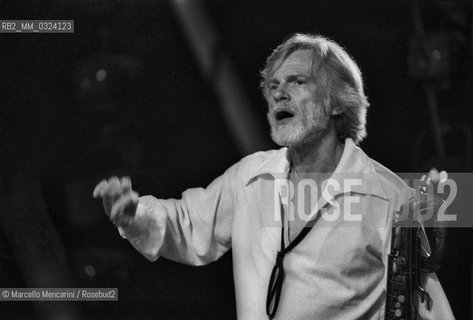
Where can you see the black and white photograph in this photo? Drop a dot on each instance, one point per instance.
(250, 160)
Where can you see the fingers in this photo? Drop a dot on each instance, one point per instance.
(433, 175)
(443, 176)
(106, 187)
(123, 210)
(112, 186)
(110, 194)
(436, 176)
(125, 183)
(111, 190)
(99, 188)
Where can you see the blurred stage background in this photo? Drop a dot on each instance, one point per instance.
(126, 94)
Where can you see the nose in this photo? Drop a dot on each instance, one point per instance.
(280, 94)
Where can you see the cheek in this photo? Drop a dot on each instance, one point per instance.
(269, 118)
(270, 105)
(309, 108)
(307, 98)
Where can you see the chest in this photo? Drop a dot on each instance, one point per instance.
(347, 230)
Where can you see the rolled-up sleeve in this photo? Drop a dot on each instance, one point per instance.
(195, 229)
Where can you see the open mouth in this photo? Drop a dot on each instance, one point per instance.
(281, 115)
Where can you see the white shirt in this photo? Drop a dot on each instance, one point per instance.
(338, 271)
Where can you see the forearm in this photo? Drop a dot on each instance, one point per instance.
(178, 231)
(195, 229)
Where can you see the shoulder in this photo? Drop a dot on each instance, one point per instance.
(261, 162)
(262, 157)
(393, 185)
(390, 178)
(354, 159)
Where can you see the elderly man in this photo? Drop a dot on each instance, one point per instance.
(288, 264)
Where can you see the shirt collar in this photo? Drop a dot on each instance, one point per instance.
(354, 164)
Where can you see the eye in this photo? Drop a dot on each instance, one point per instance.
(300, 82)
(272, 86)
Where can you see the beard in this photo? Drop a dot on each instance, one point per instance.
(303, 128)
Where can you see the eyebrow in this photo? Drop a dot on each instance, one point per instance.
(296, 76)
(290, 78)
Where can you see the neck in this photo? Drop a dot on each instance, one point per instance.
(318, 157)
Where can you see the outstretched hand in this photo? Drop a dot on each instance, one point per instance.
(119, 200)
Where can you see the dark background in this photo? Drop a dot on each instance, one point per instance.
(158, 120)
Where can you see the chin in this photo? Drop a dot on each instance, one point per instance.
(294, 138)
(286, 139)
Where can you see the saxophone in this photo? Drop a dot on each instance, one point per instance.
(412, 255)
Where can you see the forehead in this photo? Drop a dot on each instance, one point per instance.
(298, 62)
